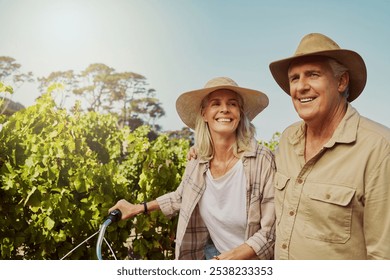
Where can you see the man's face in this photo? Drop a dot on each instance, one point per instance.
(315, 91)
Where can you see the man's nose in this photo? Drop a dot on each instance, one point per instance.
(302, 85)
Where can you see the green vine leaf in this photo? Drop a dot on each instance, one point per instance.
(49, 223)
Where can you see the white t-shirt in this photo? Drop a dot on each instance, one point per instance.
(223, 208)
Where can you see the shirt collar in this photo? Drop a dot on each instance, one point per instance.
(345, 132)
(251, 153)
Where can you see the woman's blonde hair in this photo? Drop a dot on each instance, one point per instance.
(203, 141)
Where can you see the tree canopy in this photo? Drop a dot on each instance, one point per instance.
(101, 89)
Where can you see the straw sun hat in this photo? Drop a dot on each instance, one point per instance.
(316, 44)
(188, 104)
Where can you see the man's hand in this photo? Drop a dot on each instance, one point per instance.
(192, 153)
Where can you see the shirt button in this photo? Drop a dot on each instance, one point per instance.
(327, 196)
(300, 181)
(284, 246)
(291, 213)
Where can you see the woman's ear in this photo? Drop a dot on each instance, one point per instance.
(203, 115)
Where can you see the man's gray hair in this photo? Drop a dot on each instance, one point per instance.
(338, 70)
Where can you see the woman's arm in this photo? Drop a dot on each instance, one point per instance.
(130, 210)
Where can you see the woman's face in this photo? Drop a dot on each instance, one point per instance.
(222, 112)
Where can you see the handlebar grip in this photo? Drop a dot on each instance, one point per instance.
(115, 216)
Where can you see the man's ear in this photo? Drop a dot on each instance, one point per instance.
(343, 82)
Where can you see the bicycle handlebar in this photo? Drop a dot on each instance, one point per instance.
(114, 217)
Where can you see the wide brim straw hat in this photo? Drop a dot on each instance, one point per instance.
(188, 104)
(316, 44)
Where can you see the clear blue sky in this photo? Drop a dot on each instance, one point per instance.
(180, 44)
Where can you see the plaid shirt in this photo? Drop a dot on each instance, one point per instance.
(192, 233)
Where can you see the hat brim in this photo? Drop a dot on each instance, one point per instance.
(350, 59)
(188, 104)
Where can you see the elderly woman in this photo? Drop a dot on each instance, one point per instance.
(226, 197)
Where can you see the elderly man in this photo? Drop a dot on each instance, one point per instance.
(332, 195)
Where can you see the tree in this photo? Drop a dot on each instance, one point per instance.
(124, 94)
(147, 108)
(11, 74)
(95, 87)
(184, 133)
(68, 80)
(7, 102)
(126, 87)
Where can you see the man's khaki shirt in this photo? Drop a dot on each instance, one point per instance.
(336, 205)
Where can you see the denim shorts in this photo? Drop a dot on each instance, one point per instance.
(210, 251)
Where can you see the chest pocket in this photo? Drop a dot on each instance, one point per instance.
(280, 184)
(327, 212)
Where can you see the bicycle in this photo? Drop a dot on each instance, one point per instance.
(113, 217)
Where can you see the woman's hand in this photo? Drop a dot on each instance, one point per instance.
(242, 252)
(128, 210)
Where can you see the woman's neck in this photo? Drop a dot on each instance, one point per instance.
(223, 148)
(224, 157)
